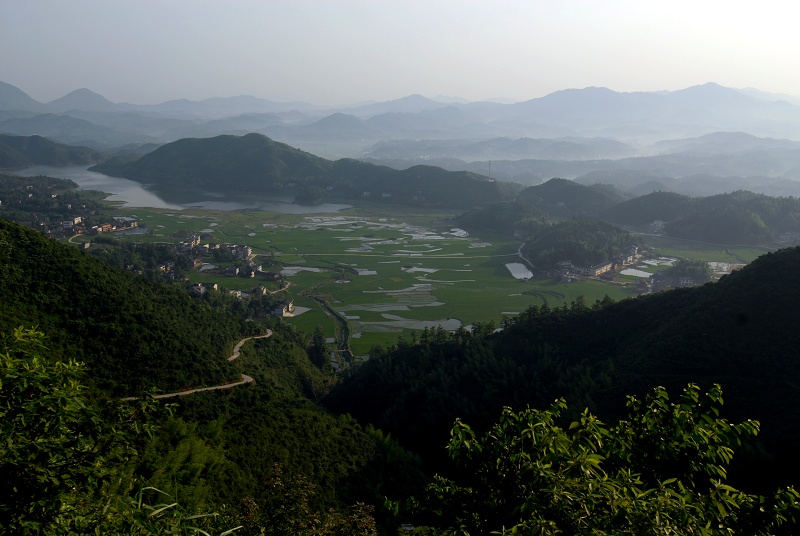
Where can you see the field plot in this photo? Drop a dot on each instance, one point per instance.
(686, 249)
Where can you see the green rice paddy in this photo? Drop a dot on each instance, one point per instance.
(393, 273)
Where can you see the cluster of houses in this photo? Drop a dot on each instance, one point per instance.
(76, 225)
(630, 256)
(120, 225)
(56, 228)
(192, 244)
(247, 267)
(283, 308)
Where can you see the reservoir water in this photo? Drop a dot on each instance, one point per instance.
(134, 194)
(519, 270)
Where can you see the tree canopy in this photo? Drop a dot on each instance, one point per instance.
(662, 470)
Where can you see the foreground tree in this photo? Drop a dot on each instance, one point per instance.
(66, 461)
(660, 471)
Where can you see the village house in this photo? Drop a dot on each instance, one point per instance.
(104, 228)
(283, 308)
(594, 271)
(197, 290)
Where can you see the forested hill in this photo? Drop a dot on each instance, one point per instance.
(132, 333)
(563, 198)
(735, 218)
(582, 241)
(25, 151)
(742, 332)
(255, 164)
(739, 217)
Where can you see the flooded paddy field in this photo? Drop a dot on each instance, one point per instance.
(391, 274)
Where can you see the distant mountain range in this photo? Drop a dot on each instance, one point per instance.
(588, 112)
(696, 141)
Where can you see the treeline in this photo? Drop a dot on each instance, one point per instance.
(521, 217)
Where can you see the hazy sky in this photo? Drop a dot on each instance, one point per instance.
(333, 52)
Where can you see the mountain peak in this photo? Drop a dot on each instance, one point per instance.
(712, 93)
(82, 99)
(13, 98)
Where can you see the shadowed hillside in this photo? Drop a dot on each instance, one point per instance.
(24, 151)
(132, 333)
(741, 332)
(255, 164)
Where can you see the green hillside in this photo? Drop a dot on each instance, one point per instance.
(583, 241)
(740, 332)
(665, 206)
(255, 164)
(251, 163)
(511, 216)
(25, 151)
(562, 198)
(739, 217)
(260, 456)
(133, 334)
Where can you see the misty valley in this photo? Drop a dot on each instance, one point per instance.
(569, 315)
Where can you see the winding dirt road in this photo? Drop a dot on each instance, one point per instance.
(245, 377)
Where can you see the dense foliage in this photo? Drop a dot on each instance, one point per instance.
(583, 241)
(263, 458)
(517, 217)
(62, 457)
(697, 271)
(661, 470)
(134, 334)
